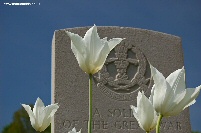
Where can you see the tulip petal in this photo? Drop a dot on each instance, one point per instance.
(177, 80)
(162, 89)
(79, 49)
(152, 94)
(167, 100)
(37, 110)
(173, 77)
(97, 50)
(78, 42)
(191, 95)
(134, 110)
(80, 58)
(99, 62)
(48, 112)
(145, 112)
(171, 106)
(31, 116)
(189, 99)
(93, 42)
(74, 131)
(113, 42)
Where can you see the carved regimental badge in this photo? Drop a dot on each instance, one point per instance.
(125, 72)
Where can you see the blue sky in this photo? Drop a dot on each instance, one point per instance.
(26, 34)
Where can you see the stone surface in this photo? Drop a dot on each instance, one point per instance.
(115, 88)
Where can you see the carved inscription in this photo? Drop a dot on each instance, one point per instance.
(125, 71)
(123, 120)
(171, 125)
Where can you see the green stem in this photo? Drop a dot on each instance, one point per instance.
(90, 104)
(147, 132)
(159, 123)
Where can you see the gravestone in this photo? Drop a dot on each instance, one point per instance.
(115, 87)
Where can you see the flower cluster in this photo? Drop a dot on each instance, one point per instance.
(168, 98)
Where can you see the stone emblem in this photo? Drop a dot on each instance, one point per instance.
(131, 73)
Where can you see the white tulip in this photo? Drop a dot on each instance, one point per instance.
(74, 131)
(169, 96)
(41, 116)
(91, 51)
(145, 113)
